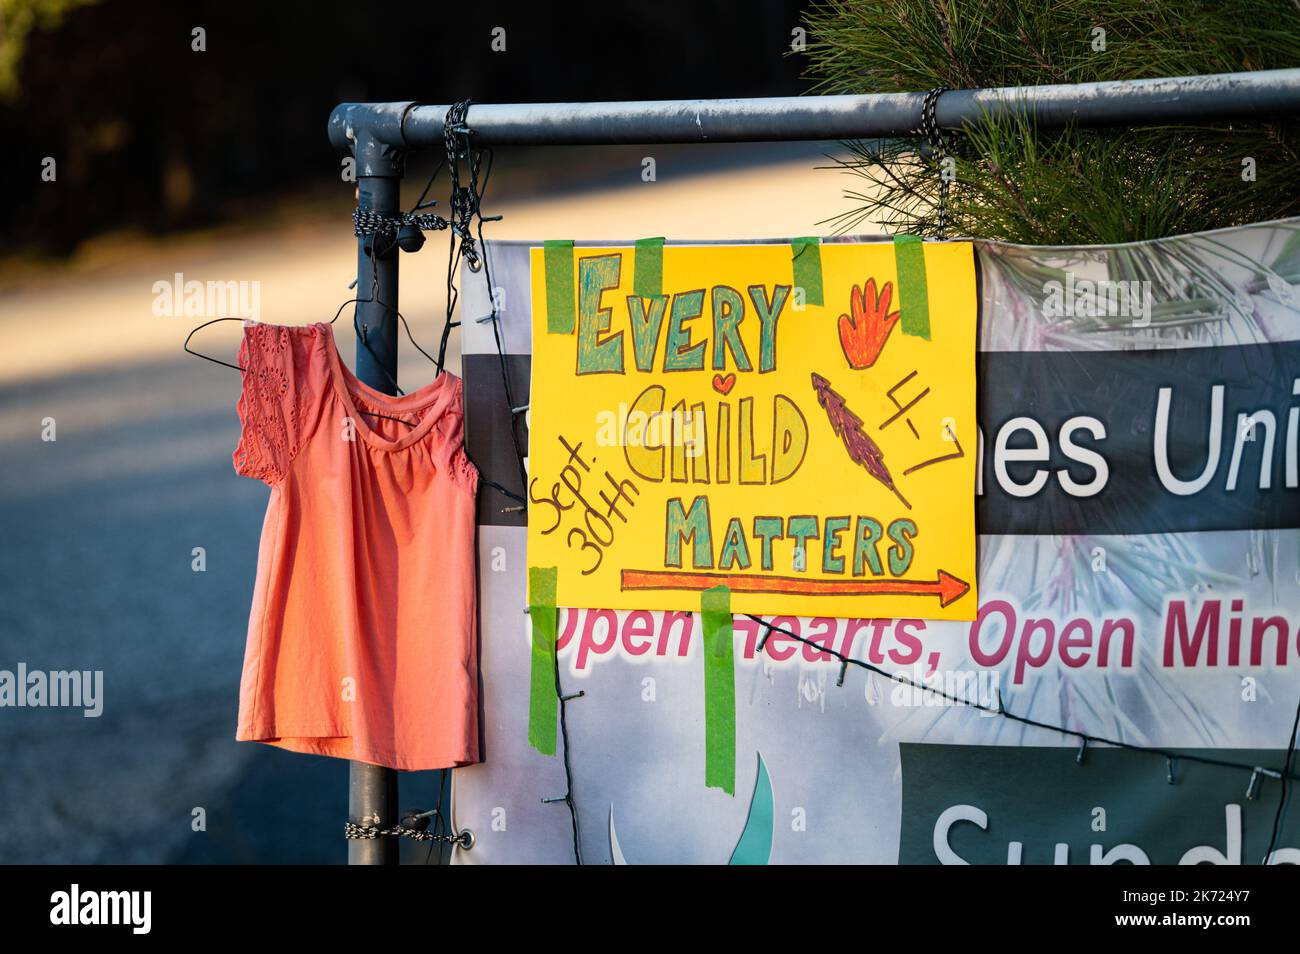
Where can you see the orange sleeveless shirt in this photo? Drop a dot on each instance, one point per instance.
(362, 640)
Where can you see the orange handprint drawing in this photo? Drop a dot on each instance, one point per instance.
(863, 336)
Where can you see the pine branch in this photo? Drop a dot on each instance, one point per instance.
(1071, 186)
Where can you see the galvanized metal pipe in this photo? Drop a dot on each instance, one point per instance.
(1188, 99)
(372, 789)
(377, 288)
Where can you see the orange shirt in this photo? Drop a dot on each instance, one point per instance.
(362, 640)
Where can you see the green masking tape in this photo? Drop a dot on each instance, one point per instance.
(719, 690)
(543, 701)
(648, 268)
(558, 255)
(913, 293)
(807, 255)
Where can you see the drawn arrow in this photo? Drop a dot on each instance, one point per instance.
(945, 586)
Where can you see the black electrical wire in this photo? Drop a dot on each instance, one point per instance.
(466, 211)
(1001, 710)
(1286, 788)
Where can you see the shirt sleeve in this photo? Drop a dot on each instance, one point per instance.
(275, 390)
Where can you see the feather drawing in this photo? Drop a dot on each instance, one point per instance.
(848, 427)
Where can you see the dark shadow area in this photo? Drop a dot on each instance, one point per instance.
(149, 132)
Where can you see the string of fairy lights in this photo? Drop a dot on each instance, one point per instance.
(466, 209)
(1171, 757)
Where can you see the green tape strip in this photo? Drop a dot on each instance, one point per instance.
(648, 268)
(913, 292)
(559, 286)
(543, 698)
(719, 690)
(807, 255)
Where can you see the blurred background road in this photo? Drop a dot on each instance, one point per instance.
(99, 525)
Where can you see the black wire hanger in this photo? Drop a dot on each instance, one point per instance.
(466, 212)
(360, 332)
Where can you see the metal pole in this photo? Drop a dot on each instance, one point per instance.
(1178, 99)
(377, 289)
(372, 790)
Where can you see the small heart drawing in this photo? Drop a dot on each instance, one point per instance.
(863, 336)
(724, 385)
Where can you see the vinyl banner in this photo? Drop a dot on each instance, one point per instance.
(793, 422)
(1133, 464)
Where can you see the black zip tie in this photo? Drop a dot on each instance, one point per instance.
(844, 667)
(576, 695)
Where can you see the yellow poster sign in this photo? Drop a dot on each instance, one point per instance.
(795, 422)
